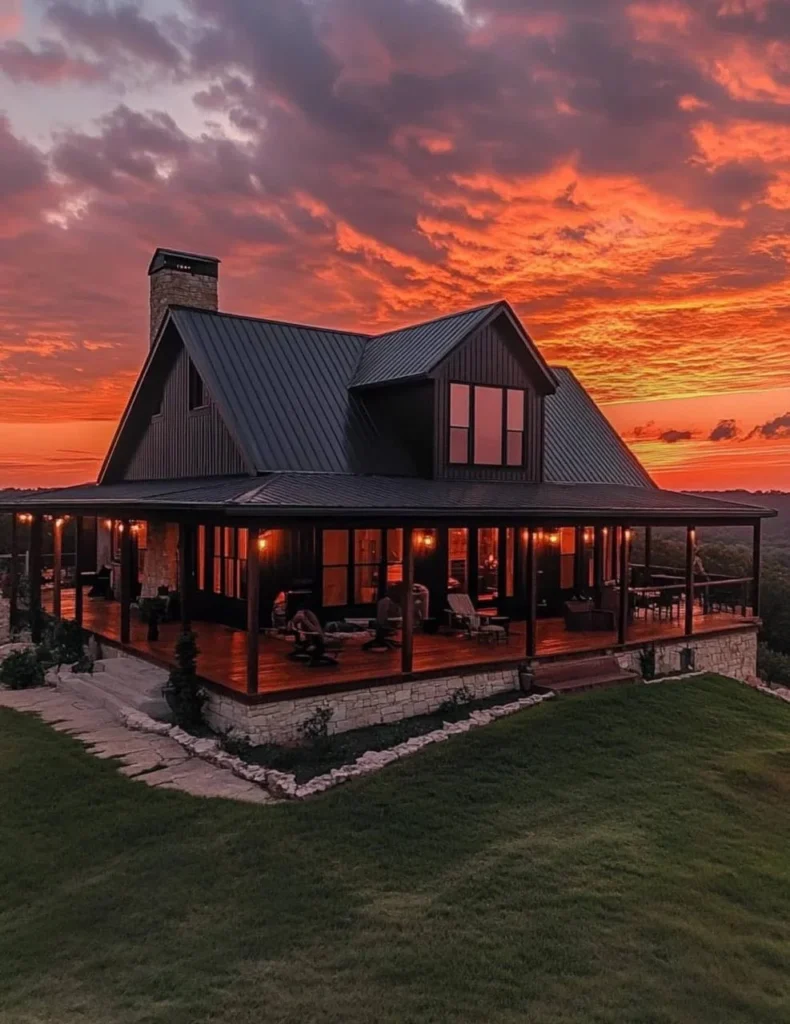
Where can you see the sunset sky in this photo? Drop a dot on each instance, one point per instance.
(620, 171)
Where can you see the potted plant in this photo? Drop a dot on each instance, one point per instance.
(152, 612)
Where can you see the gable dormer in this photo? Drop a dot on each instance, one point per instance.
(467, 392)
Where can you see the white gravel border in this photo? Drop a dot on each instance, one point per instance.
(284, 784)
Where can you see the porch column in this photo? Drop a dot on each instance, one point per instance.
(407, 648)
(598, 559)
(79, 545)
(501, 557)
(126, 580)
(648, 554)
(13, 583)
(579, 582)
(756, 559)
(531, 581)
(690, 534)
(57, 565)
(36, 531)
(253, 607)
(186, 574)
(622, 626)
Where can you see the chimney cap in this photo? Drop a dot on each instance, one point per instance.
(188, 262)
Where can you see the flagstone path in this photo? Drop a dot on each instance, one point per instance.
(155, 760)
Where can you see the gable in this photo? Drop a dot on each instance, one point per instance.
(494, 354)
(160, 438)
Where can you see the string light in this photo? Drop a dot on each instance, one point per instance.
(262, 543)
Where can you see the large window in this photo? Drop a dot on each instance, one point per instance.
(488, 564)
(567, 557)
(459, 422)
(458, 562)
(335, 574)
(230, 562)
(367, 565)
(486, 425)
(394, 556)
(197, 390)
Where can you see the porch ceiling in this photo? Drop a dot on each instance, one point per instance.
(280, 496)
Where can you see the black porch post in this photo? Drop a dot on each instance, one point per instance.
(36, 530)
(501, 557)
(579, 581)
(689, 580)
(531, 581)
(598, 559)
(756, 558)
(648, 554)
(126, 580)
(186, 573)
(473, 563)
(13, 583)
(407, 648)
(57, 565)
(622, 626)
(79, 544)
(253, 607)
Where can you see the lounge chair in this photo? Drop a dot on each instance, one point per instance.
(311, 643)
(475, 624)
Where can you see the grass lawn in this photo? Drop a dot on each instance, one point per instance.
(618, 856)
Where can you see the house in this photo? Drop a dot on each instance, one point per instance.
(261, 467)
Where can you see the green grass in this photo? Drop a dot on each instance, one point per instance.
(307, 760)
(619, 856)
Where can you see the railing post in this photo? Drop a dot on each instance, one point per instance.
(253, 607)
(756, 559)
(34, 561)
(622, 626)
(407, 647)
(13, 583)
(532, 595)
(690, 537)
(79, 544)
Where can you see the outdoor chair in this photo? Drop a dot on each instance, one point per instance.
(578, 616)
(387, 613)
(476, 625)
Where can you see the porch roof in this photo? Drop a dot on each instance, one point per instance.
(324, 496)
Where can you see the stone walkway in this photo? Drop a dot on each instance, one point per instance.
(155, 760)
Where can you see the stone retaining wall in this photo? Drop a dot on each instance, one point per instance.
(732, 654)
(279, 721)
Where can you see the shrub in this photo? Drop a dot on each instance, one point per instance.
(315, 728)
(236, 743)
(21, 670)
(772, 666)
(183, 692)
(65, 640)
(458, 699)
(647, 661)
(84, 664)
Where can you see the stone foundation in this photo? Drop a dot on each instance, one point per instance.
(732, 654)
(278, 721)
(5, 620)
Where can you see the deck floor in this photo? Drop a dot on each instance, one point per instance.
(223, 657)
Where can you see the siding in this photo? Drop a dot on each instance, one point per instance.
(491, 356)
(180, 443)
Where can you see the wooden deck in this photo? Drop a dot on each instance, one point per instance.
(223, 657)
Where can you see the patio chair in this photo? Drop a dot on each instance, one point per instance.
(387, 612)
(578, 616)
(475, 624)
(311, 643)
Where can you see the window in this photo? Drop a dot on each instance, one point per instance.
(488, 426)
(458, 576)
(367, 564)
(488, 564)
(515, 428)
(394, 556)
(230, 562)
(459, 423)
(510, 562)
(567, 557)
(201, 557)
(159, 404)
(197, 390)
(335, 575)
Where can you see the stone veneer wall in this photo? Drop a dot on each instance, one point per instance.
(732, 654)
(5, 620)
(179, 288)
(278, 721)
(160, 561)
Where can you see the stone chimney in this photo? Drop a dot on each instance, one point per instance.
(181, 279)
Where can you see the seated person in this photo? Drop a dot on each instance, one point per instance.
(386, 612)
(310, 642)
(279, 611)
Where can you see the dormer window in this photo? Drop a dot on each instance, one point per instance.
(486, 426)
(197, 390)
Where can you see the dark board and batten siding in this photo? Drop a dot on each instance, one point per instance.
(488, 358)
(183, 443)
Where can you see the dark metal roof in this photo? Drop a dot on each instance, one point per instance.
(416, 350)
(324, 495)
(581, 445)
(282, 390)
(164, 259)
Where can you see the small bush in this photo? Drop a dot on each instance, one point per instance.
(84, 664)
(315, 728)
(184, 694)
(772, 666)
(22, 670)
(647, 662)
(236, 743)
(458, 699)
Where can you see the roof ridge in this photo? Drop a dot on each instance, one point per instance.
(270, 320)
(436, 319)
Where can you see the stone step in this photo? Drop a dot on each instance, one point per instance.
(134, 670)
(113, 691)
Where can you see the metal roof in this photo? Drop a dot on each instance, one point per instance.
(581, 445)
(282, 390)
(326, 495)
(416, 350)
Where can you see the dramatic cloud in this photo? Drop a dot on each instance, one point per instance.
(619, 170)
(776, 429)
(725, 430)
